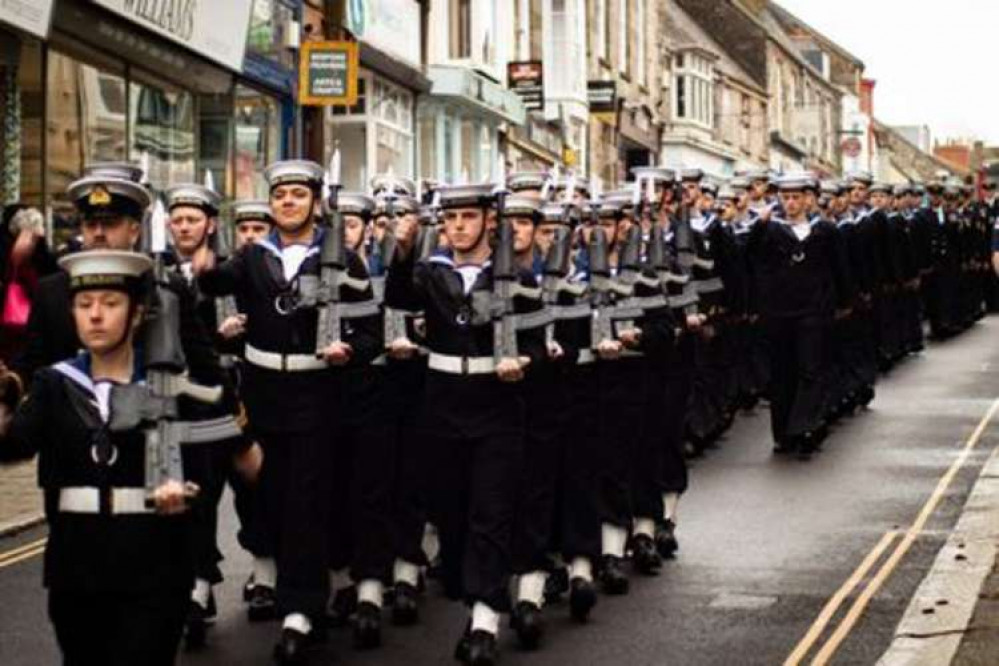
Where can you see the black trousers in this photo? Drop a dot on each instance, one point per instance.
(798, 389)
(708, 393)
(361, 529)
(207, 465)
(672, 412)
(294, 490)
(541, 477)
(622, 409)
(118, 628)
(473, 486)
(578, 517)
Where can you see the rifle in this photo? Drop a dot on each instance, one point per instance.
(603, 288)
(556, 269)
(333, 267)
(153, 405)
(506, 287)
(394, 320)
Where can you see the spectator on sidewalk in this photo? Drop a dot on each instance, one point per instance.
(24, 259)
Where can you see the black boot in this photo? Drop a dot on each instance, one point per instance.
(405, 611)
(612, 577)
(262, 604)
(248, 587)
(367, 626)
(582, 599)
(293, 646)
(343, 606)
(526, 620)
(556, 585)
(196, 626)
(481, 648)
(464, 646)
(644, 555)
(666, 542)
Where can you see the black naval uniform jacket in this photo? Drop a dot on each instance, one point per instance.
(289, 401)
(96, 552)
(799, 278)
(459, 324)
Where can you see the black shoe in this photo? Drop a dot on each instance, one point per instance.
(666, 542)
(262, 605)
(556, 585)
(866, 396)
(582, 599)
(481, 648)
(367, 626)
(644, 556)
(462, 651)
(612, 577)
(785, 446)
(526, 620)
(405, 611)
(293, 646)
(196, 626)
(343, 606)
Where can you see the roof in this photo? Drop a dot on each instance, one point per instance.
(789, 20)
(897, 136)
(682, 32)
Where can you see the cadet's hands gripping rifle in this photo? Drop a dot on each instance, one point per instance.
(429, 234)
(394, 320)
(603, 288)
(556, 269)
(506, 286)
(333, 267)
(153, 405)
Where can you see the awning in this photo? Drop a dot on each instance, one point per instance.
(474, 91)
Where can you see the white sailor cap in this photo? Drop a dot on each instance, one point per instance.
(755, 174)
(658, 174)
(727, 193)
(710, 187)
(902, 189)
(304, 172)
(403, 205)
(616, 203)
(523, 205)
(691, 175)
(467, 196)
(739, 184)
(122, 170)
(880, 186)
(94, 194)
(557, 213)
(192, 194)
(864, 177)
(795, 182)
(354, 203)
(526, 180)
(833, 187)
(580, 185)
(255, 211)
(383, 183)
(105, 269)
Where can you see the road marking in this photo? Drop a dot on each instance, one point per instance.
(819, 625)
(15, 555)
(856, 610)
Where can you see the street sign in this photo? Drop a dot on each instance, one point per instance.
(526, 79)
(852, 146)
(328, 74)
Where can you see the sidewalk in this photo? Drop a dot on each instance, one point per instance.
(953, 618)
(20, 498)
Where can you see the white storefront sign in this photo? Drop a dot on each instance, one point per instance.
(392, 26)
(32, 16)
(214, 28)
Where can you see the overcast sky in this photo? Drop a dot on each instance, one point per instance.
(933, 66)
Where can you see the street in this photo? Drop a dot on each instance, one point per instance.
(765, 544)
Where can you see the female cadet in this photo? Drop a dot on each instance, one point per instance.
(119, 573)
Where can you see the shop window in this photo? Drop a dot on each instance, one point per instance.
(695, 89)
(86, 122)
(269, 22)
(258, 140)
(460, 29)
(161, 130)
(449, 171)
(351, 139)
(358, 109)
(428, 147)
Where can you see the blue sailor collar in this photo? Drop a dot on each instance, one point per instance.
(79, 370)
(272, 242)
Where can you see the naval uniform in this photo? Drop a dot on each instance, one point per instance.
(295, 405)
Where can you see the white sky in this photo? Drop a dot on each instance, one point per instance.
(933, 62)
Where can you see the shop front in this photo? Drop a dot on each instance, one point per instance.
(108, 82)
(461, 124)
(638, 138)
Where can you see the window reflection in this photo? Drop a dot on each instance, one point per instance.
(162, 133)
(258, 123)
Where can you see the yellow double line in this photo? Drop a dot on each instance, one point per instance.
(856, 610)
(21, 553)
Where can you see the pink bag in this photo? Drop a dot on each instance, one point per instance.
(16, 306)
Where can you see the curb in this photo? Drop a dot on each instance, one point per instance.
(934, 624)
(17, 525)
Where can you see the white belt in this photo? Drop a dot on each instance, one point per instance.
(462, 365)
(87, 499)
(586, 356)
(284, 362)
